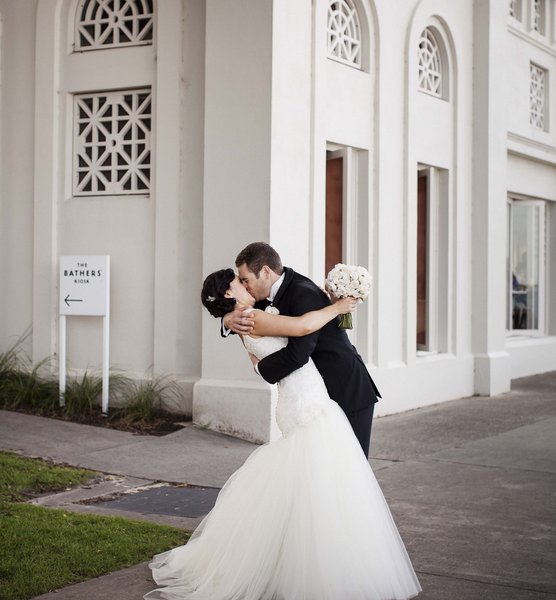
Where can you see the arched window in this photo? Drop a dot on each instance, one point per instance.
(113, 23)
(344, 32)
(430, 64)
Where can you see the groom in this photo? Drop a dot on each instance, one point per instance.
(347, 380)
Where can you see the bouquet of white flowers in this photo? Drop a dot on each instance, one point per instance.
(348, 280)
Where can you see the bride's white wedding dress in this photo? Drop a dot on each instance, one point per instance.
(302, 519)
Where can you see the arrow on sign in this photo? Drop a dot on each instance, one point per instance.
(67, 300)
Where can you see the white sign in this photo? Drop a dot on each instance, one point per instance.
(85, 285)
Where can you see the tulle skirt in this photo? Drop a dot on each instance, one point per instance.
(302, 519)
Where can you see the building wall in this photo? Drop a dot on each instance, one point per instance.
(17, 158)
(246, 108)
(154, 239)
(531, 156)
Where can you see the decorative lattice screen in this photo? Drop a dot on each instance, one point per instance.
(537, 90)
(515, 9)
(539, 16)
(344, 32)
(430, 64)
(113, 23)
(112, 143)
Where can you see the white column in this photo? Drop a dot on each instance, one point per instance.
(290, 166)
(492, 364)
(177, 192)
(256, 181)
(238, 59)
(166, 193)
(17, 86)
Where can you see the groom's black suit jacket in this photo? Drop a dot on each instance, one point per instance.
(344, 373)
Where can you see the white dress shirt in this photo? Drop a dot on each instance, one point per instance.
(275, 287)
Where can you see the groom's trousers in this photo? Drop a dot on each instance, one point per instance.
(361, 422)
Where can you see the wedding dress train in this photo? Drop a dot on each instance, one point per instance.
(302, 519)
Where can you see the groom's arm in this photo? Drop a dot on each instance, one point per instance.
(276, 366)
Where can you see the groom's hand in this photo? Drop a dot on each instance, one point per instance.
(238, 322)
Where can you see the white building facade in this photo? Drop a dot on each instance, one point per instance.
(416, 138)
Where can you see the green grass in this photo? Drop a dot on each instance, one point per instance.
(21, 477)
(45, 549)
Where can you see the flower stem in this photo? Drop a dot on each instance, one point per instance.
(346, 321)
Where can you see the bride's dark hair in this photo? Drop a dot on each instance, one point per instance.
(212, 295)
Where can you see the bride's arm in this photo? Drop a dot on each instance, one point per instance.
(281, 325)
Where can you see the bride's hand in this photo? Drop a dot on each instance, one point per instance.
(240, 320)
(345, 305)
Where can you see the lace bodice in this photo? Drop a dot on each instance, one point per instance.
(302, 395)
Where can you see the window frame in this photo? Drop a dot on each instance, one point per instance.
(431, 275)
(438, 298)
(540, 331)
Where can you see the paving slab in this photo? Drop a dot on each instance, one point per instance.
(470, 522)
(193, 502)
(134, 582)
(531, 447)
(421, 432)
(471, 484)
(56, 439)
(106, 485)
(86, 499)
(189, 455)
(194, 456)
(440, 587)
(127, 584)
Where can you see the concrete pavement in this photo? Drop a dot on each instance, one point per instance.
(471, 484)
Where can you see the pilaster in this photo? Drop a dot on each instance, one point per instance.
(256, 181)
(492, 362)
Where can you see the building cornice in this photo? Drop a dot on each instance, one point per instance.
(545, 46)
(531, 149)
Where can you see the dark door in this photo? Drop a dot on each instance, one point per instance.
(422, 263)
(334, 212)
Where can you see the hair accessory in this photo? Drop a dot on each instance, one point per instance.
(211, 298)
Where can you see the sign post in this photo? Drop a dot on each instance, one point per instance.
(85, 290)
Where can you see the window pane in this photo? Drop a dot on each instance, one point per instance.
(525, 266)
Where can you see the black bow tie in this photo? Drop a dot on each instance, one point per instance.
(262, 304)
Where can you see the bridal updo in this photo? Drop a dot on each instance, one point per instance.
(212, 295)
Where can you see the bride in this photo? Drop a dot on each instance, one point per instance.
(304, 517)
